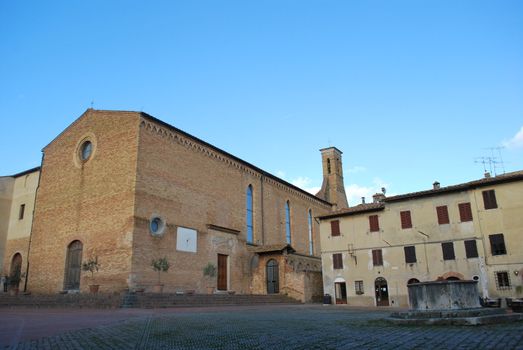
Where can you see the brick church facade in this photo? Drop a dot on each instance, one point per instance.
(126, 188)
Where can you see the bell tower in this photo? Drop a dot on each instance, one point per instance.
(333, 189)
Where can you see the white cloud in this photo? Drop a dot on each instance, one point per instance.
(305, 184)
(356, 169)
(280, 174)
(516, 141)
(355, 192)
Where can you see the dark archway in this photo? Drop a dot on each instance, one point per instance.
(273, 277)
(413, 280)
(452, 278)
(73, 266)
(382, 292)
(15, 272)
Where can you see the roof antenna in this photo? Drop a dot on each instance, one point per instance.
(92, 103)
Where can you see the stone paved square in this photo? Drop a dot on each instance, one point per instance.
(246, 327)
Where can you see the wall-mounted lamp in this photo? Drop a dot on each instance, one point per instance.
(516, 272)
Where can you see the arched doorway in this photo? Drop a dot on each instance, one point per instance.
(73, 265)
(382, 292)
(15, 272)
(273, 277)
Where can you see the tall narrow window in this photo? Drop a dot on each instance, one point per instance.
(337, 261)
(335, 228)
(21, 212)
(489, 199)
(471, 249)
(288, 222)
(311, 242)
(410, 254)
(250, 216)
(465, 212)
(406, 220)
(448, 251)
(377, 257)
(497, 244)
(374, 223)
(443, 215)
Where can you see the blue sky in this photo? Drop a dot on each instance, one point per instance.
(410, 91)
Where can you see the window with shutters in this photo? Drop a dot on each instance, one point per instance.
(358, 287)
(502, 279)
(410, 254)
(443, 215)
(465, 212)
(471, 249)
(374, 223)
(497, 244)
(448, 251)
(377, 257)
(406, 220)
(335, 228)
(489, 199)
(337, 261)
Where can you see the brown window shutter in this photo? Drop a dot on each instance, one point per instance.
(471, 249)
(410, 254)
(377, 257)
(443, 215)
(374, 223)
(489, 199)
(465, 212)
(335, 228)
(337, 261)
(448, 251)
(406, 220)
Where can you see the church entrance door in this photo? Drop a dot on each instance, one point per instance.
(273, 280)
(73, 265)
(222, 272)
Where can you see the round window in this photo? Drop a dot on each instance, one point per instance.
(156, 226)
(85, 150)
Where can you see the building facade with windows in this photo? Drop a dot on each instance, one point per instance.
(127, 188)
(17, 198)
(472, 231)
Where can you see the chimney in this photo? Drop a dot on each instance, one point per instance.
(362, 200)
(436, 185)
(378, 197)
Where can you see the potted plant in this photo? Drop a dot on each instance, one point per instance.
(160, 265)
(209, 271)
(92, 266)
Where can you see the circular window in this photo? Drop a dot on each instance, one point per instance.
(86, 150)
(156, 226)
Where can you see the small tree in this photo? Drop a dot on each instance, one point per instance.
(91, 265)
(209, 270)
(160, 265)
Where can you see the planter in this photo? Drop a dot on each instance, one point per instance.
(93, 288)
(210, 290)
(158, 288)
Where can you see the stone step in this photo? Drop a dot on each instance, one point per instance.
(137, 300)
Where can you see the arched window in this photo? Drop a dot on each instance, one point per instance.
(288, 222)
(250, 216)
(311, 243)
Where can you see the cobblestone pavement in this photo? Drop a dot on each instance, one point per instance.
(283, 327)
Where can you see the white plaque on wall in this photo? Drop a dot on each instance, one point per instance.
(186, 240)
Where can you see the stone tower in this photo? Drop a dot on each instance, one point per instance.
(332, 189)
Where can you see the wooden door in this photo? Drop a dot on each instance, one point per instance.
(222, 272)
(273, 277)
(73, 265)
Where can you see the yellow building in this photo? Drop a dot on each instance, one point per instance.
(470, 231)
(17, 198)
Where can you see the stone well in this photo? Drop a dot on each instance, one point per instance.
(443, 295)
